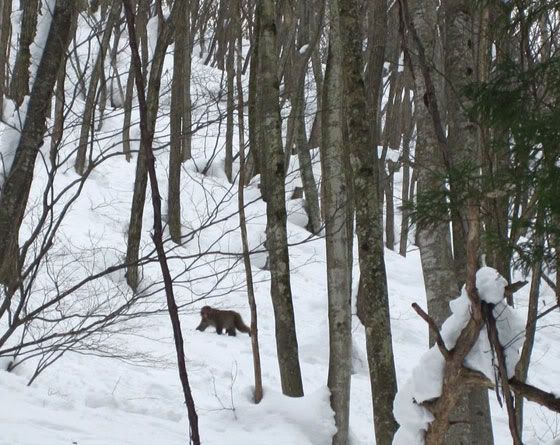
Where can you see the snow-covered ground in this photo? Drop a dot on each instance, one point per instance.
(86, 399)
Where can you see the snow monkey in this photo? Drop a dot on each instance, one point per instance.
(228, 320)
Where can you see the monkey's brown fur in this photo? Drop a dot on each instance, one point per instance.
(222, 320)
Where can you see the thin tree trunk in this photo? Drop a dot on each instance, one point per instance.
(176, 123)
(147, 137)
(390, 205)
(19, 85)
(141, 180)
(96, 75)
(408, 129)
(230, 108)
(373, 302)
(5, 33)
(258, 395)
(274, 195)
(522, 368)
(15, 191)
(117, 97)
(338, 213)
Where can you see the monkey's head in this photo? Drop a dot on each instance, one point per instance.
(206, 312)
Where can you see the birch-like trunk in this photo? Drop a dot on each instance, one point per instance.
(373, 302)
(338, 213)
(274, 194)
(176, 123)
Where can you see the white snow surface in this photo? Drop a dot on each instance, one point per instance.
(87, 398)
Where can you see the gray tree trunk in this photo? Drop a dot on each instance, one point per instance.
(5, 33)
(15, 191)
(274, 195)
(141, 26)
(407, 131)
(373, 302)
(338, 213)
(187, 106)
(19, 85)
(176, 123)
(258, 395)
(230, 107)
(463, 143)
(141, 180)
(522, 368)
(471, 422)
(92, 94)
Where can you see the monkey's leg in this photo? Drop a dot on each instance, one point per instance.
(219, 329)
(231, 332)
(202, 326)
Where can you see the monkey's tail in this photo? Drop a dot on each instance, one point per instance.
(241, 327)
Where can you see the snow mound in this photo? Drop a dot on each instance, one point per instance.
(426, 381)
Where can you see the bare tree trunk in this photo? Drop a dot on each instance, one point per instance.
(128, 97)
(298, 98)
(434, 241)
(258, 395)
(408, 129)
(230, 108)
(274, 195)
(5, 33)
(187, 106)
(463, 142)
(373, 302)
(338, 213)
(15, 191)
(141, 180)
(19, 85)
(392, 167)
(522, 368)
(116, 93)
(147, 137)
(176, 123)
(316, 131)
(141, 31)
(96, 75)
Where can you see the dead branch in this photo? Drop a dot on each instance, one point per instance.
(537, 395)
(432, 324)
(499, 349)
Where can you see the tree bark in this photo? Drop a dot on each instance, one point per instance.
(5, 33)
(230, 107)
(19, 85)
(92, 94)
(440, 278)
(338, 214)
(373, 302)
(258, 395)
(463, 142)
(147, 136)
(274, 195)
(522, 368)
(176, 123)
(15, 191)
(141, 179)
